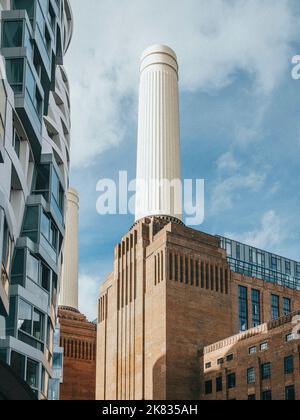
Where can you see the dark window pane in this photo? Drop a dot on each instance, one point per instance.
(32, 374)
(251, 376)
(231, 380)
(243, 308)
(12, 34)
(31, 219)
(208, 387)
(17, 364)
(38, 325)
(46, 277)
(266, 371)
(27, 5)
(25, 317)
(290, 394)
(33, 266)
(275, 307)
(3, 355)
(256, 309)
(289, 365)
(42, 180)
(287, 306)
(15, 71)
(252, 397)
(219, 384)
(267, 396)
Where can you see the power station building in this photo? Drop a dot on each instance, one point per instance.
(175, 291)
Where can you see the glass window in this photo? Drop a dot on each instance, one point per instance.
(31, 219)
(252, 350)
(15, 71)
(256, 309)
(266, 371)
(38, 325)
(251, 376)
(238, 251)
(287, 306)
(25, 317)
(7, 250)
(54, 236)
(289, 365)
(32, 374)
(17, 363)
(33, 266)
(27, 5)
(229, 248)
(46, 273)
(252, 397)
(219, 384)
(3, 355)
(275, 307)
(243, 308)
(30, 83)
(45, 225)
(208, 387)
(290, 337)
(220, 362)
(18, 268)
(290, 394)
(12, 34)
(231, 381)
(45, 382)
(17, 144)
(54, 289)
(57, 361)
(264, 347)
(288, 269)
(42, 180)
(267, 396)
(230, 358)
(38, 103)
(208, 365)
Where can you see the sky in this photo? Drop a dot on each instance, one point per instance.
(240, 125)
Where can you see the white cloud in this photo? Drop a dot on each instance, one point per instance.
(270, 234)
(214, 40)
(227, 162)
(89, 287)
(227, 191)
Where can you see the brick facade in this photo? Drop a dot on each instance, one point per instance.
(262, 363)
(78, 338)
(171, 294)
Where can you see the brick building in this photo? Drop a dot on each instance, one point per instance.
(173, 292)
(78, 339)
(260, 364)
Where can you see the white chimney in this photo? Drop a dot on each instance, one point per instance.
(159, 190)
(69, 284)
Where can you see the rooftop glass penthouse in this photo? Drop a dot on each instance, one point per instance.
(253, 262)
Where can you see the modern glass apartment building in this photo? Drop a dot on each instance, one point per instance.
(263, 265)
(34, 177)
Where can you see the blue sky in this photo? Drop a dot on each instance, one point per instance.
(240, 126)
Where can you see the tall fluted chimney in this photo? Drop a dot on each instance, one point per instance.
(69, 285)
(159, 191)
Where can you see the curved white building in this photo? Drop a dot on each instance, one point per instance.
(34, 178)
(159, 189)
